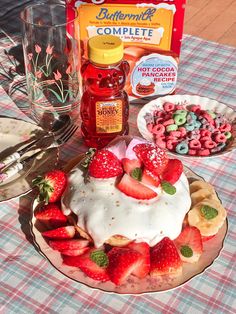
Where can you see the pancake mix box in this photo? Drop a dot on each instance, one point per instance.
(151, 32)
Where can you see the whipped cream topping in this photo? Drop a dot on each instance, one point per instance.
(104, 211)
(145, 82)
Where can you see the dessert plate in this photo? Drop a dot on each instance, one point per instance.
(204, 102)
(12, 133)
(134, 285)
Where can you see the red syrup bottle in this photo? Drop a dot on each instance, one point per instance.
(104, 105)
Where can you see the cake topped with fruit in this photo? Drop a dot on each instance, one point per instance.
(129, 192)
(127, 212)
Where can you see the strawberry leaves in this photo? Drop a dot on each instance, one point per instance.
(51, 186)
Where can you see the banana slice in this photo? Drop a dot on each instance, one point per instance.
(202, 194)
(118, 240)
(81, 232)
(208, 216)
(197, 185)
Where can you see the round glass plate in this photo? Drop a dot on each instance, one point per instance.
(204, 102)
(134, 285)
(14, 133)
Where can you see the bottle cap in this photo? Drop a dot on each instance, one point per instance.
(105, 49)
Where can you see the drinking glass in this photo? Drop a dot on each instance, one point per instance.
(51, 55)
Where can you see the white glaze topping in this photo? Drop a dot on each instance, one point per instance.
(104, 211)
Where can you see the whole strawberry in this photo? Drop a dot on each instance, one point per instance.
(153, 157)
(51, 186)
(105, 165)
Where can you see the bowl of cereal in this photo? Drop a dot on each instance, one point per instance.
(189, 125)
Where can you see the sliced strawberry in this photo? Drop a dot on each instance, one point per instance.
(189, 244)
(135, 189)
(144, 268)
(67, 232)
(72, 244)
(173, 171)
(150, 179)
(51, 213)
(154, 158)
(105, 165)
(51, 186)
(130, 164)
(122, 262)
(87, 264)
(165, 258)
(207, 238)
(75, 252)
(129, 151)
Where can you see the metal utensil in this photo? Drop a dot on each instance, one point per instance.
(59, 140)
(58, 127)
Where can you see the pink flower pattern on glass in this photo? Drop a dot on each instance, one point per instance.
(69, 69)
(40, 70)
(49, 49)
(37, 48)
(57, 75)
(38, 74)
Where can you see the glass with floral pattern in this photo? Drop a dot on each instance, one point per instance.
(51, 55)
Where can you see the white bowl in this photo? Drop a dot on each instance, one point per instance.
(204, 102)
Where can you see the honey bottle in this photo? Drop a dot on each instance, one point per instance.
(104, 105)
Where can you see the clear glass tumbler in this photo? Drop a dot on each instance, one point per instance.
(51, 55)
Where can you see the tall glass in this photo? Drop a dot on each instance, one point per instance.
(51, 61)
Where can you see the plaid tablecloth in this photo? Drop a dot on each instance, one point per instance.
(30, 284)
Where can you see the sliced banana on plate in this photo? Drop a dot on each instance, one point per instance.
(208, 216)
(197, 185)
(202, 194)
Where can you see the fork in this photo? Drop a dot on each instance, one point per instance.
(62, 123)
(17, 166)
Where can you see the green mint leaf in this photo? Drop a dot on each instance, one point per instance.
(168, 187)
(208, 212)
(100, 258)
(186, 251)
(136, 174)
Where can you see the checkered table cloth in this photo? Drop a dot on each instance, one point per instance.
(30, 284)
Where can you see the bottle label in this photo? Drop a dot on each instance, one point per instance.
(154, 74)
(109, 116)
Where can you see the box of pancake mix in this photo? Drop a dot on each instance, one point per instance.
(151, 32)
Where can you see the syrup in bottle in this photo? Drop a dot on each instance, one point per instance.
(104, 105)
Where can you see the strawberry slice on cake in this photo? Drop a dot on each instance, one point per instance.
(52, 214)
(142, 247)
(122, 263)
(129, 165)
(93, 263)
(67, 232)
(165, 259)
(135, 189)
(172, 171)
(189, 244)
(73, 244)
